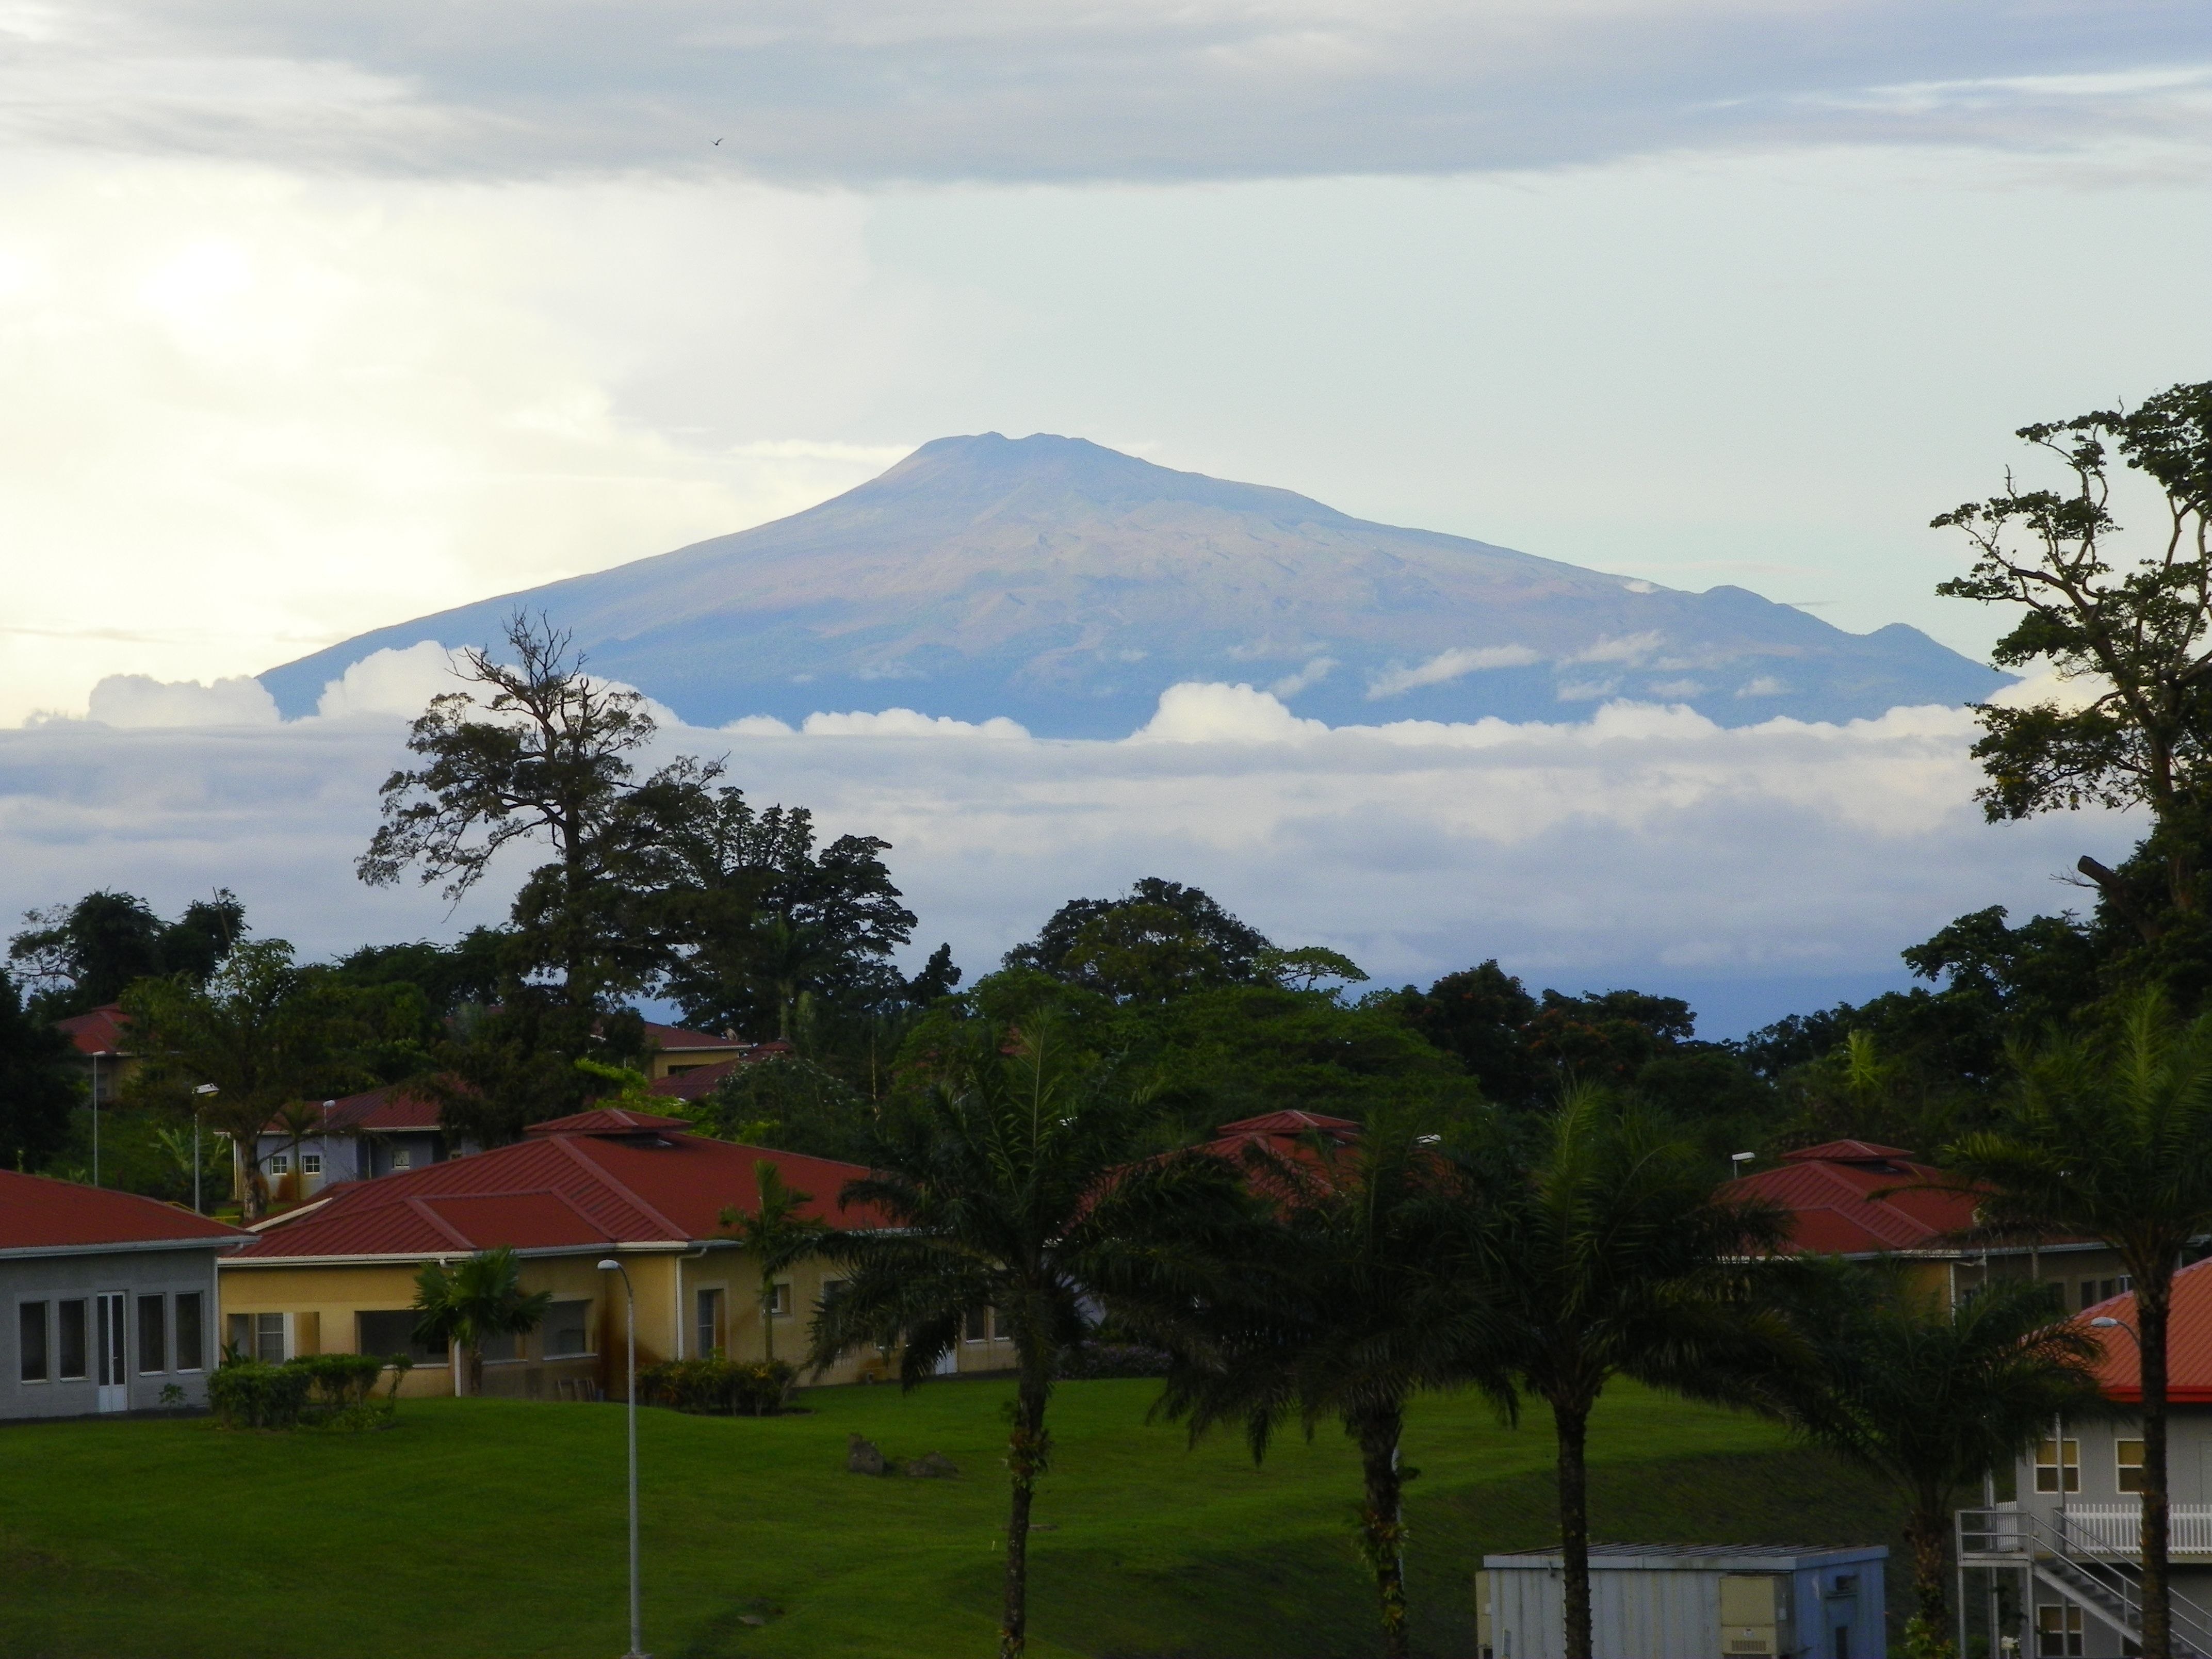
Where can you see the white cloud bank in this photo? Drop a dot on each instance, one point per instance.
(1756, 869)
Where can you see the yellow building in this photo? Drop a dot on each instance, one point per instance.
(337, 1275)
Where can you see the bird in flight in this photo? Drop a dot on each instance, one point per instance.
(718, 143)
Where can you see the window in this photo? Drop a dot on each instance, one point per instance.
(70, 1317)
(978, 1325)
(1841, 1648)
(192, 1337)
(393, 1333)
(779, 1300)
(500, 1344)
(30, 1340)
(710, 1323)
(2058, 1632)
(831, 1289)
(402, 1158)
(269, 1338)
(311, 1164)
(2128, 1456)
(568, 1329)
(2058, 1466)
(153, 1335)
(280, 1163)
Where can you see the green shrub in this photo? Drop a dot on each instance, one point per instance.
(718, 1387)
(252, 1395)
(321, 1390)
(340, 1380)
(1099, 1360)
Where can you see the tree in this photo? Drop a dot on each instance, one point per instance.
(2138, 643)
(1341, 1305)
(499, 1070)
(264, 1030)
(1619, 1258)
(1179, 937)
(777, 1235)
(2110, 1137)
(760, 920)
(537, 750)
(82, 956)
(37, 1085)
(1009, 1190)
(474, 1299)
(1932, 1398)
(1478, 1016)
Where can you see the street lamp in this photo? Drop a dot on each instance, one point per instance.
(204, 1089)
(2106, 1322)
(636, 1620)
(1737, 1160)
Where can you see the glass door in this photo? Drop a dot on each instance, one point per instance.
(113, 1377)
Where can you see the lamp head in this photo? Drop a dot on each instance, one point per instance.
(610, 1266)
(2102, 1322)
(207, 1089)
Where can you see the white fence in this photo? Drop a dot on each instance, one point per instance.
(2117, 1529)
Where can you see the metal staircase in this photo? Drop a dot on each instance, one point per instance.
(2103, 1587)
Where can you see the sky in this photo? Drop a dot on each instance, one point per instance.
(316, 317)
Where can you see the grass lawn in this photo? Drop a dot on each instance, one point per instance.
(494, 1527)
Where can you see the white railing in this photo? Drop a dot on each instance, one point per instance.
(2117, 1529)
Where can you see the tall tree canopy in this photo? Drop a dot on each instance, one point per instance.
(266, 1032)
(37, 1085)
(758, 918)
(80, 955)
(534, 750)
(2134, 635)
(1158, 939)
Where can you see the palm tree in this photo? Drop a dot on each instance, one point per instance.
(1347, 1298)
(1012, 1186)
(1622, 1261)
(479, 1298)
(778, 1236)
(2112, 1137)
(1933, 1398)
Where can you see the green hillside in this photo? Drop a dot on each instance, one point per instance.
(489, 1527)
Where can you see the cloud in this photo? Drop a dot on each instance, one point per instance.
(1450, 665)
(903, 723)
(273, 410)
(138, 700)
(870, 90)
(1313, 673)
(1194, 713)
(387, 684)
(1763, 868)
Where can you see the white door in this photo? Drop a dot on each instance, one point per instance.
(113, 1374)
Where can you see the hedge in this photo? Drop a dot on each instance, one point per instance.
(722, 1388)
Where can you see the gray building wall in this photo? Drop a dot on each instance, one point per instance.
(1665, 1603)
(55, 1277)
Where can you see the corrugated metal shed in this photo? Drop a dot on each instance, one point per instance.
(1664, 1602)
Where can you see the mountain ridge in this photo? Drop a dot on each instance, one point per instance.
(1065, 585)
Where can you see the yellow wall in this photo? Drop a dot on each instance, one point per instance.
(323, 1300)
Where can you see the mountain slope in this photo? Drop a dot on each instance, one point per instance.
(1067, 584)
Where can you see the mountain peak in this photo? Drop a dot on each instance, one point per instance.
(1067, 584)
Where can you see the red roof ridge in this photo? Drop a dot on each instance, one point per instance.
(599, 1172)
(597, 1118)
(421, 1206)
(1849, 1151)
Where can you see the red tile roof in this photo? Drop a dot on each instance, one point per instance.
(699, 1081)
(1283, 1132)
(551, 1191)
(1853, 1198)
(100, 1031)
(37, 1213)
(395, 1107)
(605, 1121)
(2188, 1342)
(673, 1039)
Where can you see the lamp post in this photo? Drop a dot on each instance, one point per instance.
(204, 1089)
(630, 1293)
